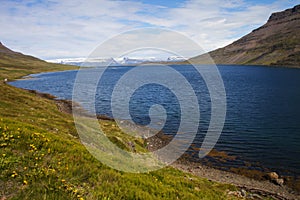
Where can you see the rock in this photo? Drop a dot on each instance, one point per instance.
(256, 196)
(3, 198)
(250, 196)
(243, 193)
(279, 181)
(272, 176)
(235, 193)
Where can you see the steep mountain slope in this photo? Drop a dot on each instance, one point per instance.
(23, 64)
(7, 55)
(275, 43)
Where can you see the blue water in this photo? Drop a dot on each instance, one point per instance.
(262, 124)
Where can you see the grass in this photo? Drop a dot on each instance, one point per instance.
(41, 156)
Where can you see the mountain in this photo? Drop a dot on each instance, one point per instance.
(20, 63)
(114, 61)
(7, 55)
(135, 61)
(275, 43)
(90, 62)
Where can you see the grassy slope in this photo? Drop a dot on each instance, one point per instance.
(41, 157)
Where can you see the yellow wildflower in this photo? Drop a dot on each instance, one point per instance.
(3, 145)
(14, 174)
(32, 146)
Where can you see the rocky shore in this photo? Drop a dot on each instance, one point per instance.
(249, 188)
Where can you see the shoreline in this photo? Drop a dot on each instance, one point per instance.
(258, 188)
(219, 64)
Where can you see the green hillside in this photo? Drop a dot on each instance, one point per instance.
(15, 65)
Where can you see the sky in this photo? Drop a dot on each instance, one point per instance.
(74, 28)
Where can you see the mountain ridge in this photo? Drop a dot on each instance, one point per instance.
(21, 64)
(6, 53)
(277, 42)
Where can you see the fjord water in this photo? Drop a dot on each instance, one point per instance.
(262, 124)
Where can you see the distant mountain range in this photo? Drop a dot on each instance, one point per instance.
(10, 58)
(275, 43)
(113, 61)
(85, 62)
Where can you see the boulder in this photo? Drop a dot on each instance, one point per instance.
(272, 176)
(279, 181)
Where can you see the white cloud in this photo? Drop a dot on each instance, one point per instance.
(73, 28)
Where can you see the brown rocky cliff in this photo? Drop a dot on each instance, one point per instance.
(275, 43)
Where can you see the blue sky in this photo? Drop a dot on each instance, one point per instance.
(73, 28)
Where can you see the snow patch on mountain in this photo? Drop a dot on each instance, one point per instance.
(113, 61)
